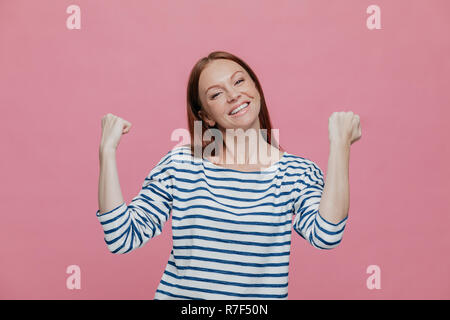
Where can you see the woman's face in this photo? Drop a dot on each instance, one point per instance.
(223, 86)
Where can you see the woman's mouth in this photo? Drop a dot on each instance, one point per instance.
(242, 109)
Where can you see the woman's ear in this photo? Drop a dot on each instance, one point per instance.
(204, 116)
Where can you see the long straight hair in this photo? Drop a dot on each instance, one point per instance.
(194, 105)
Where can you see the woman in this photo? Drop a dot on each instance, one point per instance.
(231, 215)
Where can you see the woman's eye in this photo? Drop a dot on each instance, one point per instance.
(216, 94)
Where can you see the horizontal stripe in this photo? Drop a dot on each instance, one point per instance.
(270, 204)
(229, 283)
(227, 187)
(200, 172)
(251, 223)
(227, 293)
(248, 243)
(237, 263)
(233, 273)
(256, 254)
(253, 233)
(255, 213)
(176, 295)
(241, 199)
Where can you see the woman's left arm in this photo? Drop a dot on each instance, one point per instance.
(344, 128)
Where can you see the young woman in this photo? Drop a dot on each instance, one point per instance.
(231, 215)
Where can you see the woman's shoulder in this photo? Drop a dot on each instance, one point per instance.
(300, 162)
(178, 154)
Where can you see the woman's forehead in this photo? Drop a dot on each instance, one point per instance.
(219, 70)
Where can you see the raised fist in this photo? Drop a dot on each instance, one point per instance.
(344, 127)
(113, 127)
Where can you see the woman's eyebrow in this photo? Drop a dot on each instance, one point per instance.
(216, 85)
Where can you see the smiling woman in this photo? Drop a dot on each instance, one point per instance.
(224, 93)
(231, 228)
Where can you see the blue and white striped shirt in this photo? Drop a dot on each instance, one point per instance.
(231, 229)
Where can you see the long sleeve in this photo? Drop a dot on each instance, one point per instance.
(129, 227)
(308, 222)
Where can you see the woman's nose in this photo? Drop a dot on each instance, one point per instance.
(233, 95)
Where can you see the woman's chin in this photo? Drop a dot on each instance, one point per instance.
(245, 124)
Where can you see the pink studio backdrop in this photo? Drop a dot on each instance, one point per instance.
(133, 59)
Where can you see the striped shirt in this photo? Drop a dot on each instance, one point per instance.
(231, 229)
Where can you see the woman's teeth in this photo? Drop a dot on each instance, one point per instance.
(239, 108)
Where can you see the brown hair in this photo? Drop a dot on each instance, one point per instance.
(194, 105)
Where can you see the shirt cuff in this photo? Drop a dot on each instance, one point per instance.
(114, 213)
(329, 226)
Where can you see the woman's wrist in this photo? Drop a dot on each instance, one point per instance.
(107, 151)
(340, 144)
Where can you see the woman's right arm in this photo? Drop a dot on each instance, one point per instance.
(128, 227)
(109, 192)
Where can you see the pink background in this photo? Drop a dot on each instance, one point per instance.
(132, 59)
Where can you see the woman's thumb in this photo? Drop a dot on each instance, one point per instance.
(126, 127)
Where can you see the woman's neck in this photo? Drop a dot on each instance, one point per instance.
(257, 151)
